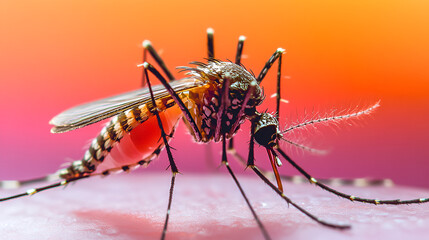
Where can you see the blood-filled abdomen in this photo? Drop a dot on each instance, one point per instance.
(142, 141)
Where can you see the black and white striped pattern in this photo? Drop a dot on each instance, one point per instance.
(112, 134)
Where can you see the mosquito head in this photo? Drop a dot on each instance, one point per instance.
(267, 130)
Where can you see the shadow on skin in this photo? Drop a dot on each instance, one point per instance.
(113, 224)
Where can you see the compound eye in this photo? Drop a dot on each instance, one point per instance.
(266, 130)
(266, 136)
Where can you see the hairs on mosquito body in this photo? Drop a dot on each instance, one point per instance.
(296, 138)
(335, 119)
(300, 143)
(301, 146)
(201, 67)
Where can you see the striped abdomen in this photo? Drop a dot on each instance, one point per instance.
(128, 138)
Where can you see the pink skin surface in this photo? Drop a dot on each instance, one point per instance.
(133, 206)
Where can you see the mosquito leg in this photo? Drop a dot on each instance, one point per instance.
(125, 168)
(223, 106)
(145, 42)
(279, 75)
(251, 155)
(240, 113)
(347, 196)
(277, 55)
(11, 184)
(269, 63)
(8, 184)
(176, 99)
(210, 55)
(173, 166)
(147, 45)
(268, 174)
(170, 200)
(225, 161)
(238, 55)
(210, 43)
(250, 163)
(358, 182)
(318, 220)
(41, 189)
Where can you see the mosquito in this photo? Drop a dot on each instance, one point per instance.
(213, 100)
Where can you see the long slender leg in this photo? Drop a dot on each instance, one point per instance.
(347, 196)
(225, 161)
(223, 106)
(163, 134)
(269, 63)
(239, 52)
(11, 184)
(170, 200)
(276, 55)
(173, 166)
(279, 75)
(280, 193)
(240, 113)
(147, 45)
(125, 168)
(176, 99)
(238, 55)
(259, 173)
(251, 156)
(210, 43)
(40, 189)
(210, 55)
(357, 182)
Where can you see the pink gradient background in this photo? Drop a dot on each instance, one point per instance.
(56, 54)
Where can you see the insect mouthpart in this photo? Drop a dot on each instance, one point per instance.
(267, 130)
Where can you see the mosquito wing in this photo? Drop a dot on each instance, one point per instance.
(92, 112)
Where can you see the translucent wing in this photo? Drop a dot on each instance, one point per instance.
(92, 112)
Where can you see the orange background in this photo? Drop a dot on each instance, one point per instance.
(342, 54)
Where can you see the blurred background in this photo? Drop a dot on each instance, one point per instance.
(340, 55)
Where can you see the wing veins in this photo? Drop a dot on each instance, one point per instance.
(92, 112)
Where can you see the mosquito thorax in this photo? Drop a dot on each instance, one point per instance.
(266, 130)
(214, 73)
